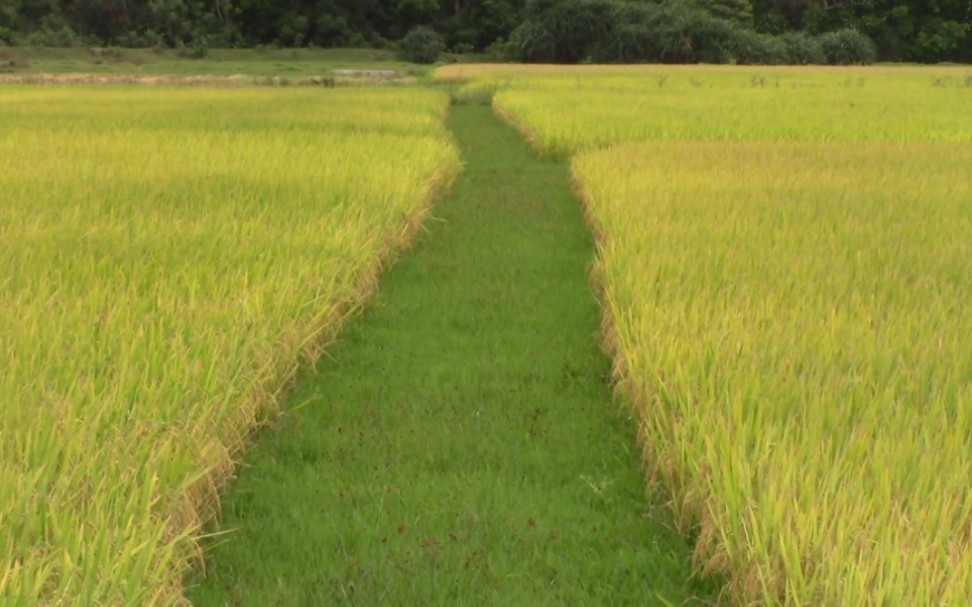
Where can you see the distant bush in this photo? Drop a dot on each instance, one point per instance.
(670, 31)
(500, 50)
(64, 37)
(197, 48)
(422, 45)
(634, 40)
(135, 39)
(563, 31)
(687, 32)
(737, 12)
(848, 47)
(802, 49)
(754, 48)
(532, 42)
(690, 34)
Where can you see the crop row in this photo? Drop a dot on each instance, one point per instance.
(785, 269)
(170, 257)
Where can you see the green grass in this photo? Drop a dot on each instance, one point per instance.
(460, 446)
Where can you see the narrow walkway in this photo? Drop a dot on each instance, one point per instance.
(461, 446)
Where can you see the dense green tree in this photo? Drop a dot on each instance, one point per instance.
(913, 30)
(739, 12)
(551, 30)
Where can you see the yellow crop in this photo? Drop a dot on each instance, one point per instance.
(169, 258)
(791, 320)
(786, 263)
(568, 110)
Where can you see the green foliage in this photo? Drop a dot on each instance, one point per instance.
(671, 31)
(500, 50)
(635, 37)
(135, 39)
(532, 42)
(564, 31)
(55, 38)
(802, 49)
(197, 49)
(848, 47)
(422, 45)
(738, 12)
(487, 21)
(939, 37)
(753, 48)
(687, 33)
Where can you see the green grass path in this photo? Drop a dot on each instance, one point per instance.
(460, 446)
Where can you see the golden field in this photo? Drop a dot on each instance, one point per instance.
(565, 110)
(791, 320)
(785, 266)
(170, 256)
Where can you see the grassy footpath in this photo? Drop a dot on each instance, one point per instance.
(461, 446)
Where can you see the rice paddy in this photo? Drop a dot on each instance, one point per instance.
(785, 265)
(170, 258)
(797, 343)
(458, 445)
(567, 110)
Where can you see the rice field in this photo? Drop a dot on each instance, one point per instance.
(784, 264)
(564, 111)
(785, 267)
(169, 258)
(792, 321)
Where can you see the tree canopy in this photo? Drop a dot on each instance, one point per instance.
(558, 30)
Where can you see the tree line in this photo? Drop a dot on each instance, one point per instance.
(720, 31)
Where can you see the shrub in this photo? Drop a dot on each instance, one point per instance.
(564, 31)
(356, 40)
(737, 12)
(532, 42)
(634, 38)
(631, 43)
(198, 48)
(422, 45)
(847, 47)
(578, 26)
(670, 31)
(754, 48)
(500, 50)
(136, 39)
(689, 34)
(802, 49)
(64, 37)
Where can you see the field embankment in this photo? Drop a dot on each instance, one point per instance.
(785, 263)
(219, 68)
(170, 258)
(459, 446)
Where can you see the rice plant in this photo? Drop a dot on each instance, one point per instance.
(169, 258)
(791, 322)
(565, 110)
(785, 266)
